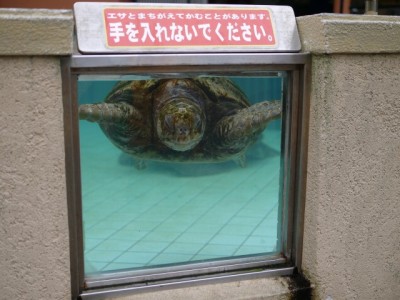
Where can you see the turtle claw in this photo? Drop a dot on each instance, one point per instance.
(140, 164)
(241, 161)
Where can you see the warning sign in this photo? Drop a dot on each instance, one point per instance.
(187, 27)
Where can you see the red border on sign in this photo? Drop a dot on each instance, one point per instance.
(166, 27)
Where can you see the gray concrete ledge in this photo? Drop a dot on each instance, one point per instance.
(36, 32)
(277, 288)
(333, 33)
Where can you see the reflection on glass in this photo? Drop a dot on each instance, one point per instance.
(179, 169)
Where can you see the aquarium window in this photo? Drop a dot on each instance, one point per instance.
(180, 173)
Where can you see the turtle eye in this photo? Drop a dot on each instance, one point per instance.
(197, 122)
(169, 122)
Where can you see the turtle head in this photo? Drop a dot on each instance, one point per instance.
(180, 124)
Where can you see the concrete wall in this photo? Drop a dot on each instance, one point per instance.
(34, 241)
(34, 248)
(352, 236)
(34, 237)
(351, 239)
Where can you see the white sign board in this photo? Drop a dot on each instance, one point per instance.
(183, 28)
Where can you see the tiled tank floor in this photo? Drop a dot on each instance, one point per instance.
(171, 213)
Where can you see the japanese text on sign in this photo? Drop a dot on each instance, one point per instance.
(171, 27)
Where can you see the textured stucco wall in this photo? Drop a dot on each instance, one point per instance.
(351, 236)
(335, 33)
(34, 239)
(34, 247)
(35, 32)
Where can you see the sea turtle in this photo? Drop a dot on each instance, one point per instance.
(201, 119)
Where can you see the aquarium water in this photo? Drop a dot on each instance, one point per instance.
(178, 213)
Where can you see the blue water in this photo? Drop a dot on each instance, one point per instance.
(177, 213)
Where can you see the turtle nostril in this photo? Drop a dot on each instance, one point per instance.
(183, 131)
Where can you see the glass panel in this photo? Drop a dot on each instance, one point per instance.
(166, 201)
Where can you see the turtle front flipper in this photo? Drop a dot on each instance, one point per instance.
(123, 125)
(108, 112)
(235, 132)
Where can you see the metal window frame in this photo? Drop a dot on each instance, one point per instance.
(297, 66)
